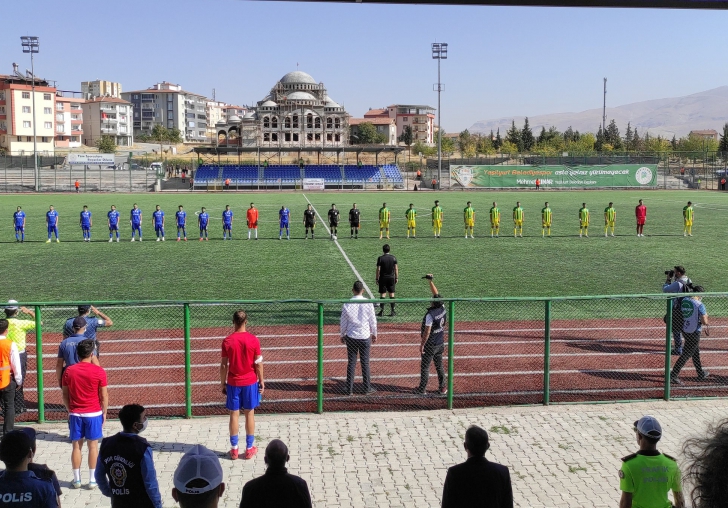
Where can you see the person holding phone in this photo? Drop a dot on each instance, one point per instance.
(432, 345)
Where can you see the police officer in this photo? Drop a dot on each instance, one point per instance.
(387, 277)
(125, 469)
(647, 476)
(432, 333)
(19, 487)
(677, 282)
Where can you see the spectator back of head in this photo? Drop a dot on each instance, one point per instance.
(476, 441)
(197, 477)
(276, 453)
(4, 326)
(14, 448)
(85, 349)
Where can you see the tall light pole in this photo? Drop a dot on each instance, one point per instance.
(32, 46)
(439, 52)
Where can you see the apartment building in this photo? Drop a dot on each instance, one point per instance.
(421, 118)
(100, 88)
(169, 105)
(107, 116)
(68, 119)
(385, 126)
(16, 113)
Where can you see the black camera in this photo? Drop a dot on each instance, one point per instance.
(670, 273)
(428, 277)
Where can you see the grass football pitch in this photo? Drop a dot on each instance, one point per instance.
(271, 269)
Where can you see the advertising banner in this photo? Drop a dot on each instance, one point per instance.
(499, 176)
(91, 159)
(314, 184)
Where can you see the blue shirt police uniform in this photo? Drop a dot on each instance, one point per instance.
(92, 323)
(25, 490)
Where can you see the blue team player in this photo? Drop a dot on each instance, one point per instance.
(158, 219)
(52, 223)
(283, 215)
(202, 219)
(19, 223)
(227, 223)
(85, 222)
(135, 218)
(181, 216)
(113, 217)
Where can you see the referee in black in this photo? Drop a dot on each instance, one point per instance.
(432, 345)
(387, 277)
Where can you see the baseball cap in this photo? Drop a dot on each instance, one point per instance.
(198, 463)
(30, 432)
(79, 322)
(84, 308)
(648, 426)
(12, 305)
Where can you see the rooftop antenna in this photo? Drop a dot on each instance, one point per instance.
(213, 95)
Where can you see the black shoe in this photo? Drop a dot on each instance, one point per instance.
(418, 391)
(380, 313)
(370, 391)
(705, 375)
(393, 313)
(675, 380)
(676, 352)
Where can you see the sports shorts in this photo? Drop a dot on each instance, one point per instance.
(437, 223)
(85, 427)
(242, 397)
(518, 223)
(19, 228)
(383, 225)
(114, 227)
(227, 225)
(333, 224)
(688, 223)
(158, 227)
(284, 225)
(584, 224)
(411, 224)
(495, 224)
(386, 285)
(354, 224)
(136, 227)
(310, 225)
(546, 224)
(470, 222)
(254, 225)
(640, 222)
(610, 223)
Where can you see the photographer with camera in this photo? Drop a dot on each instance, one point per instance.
(677, 282)
(695, 320)
(432, 345)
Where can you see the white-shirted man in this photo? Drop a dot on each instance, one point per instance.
(358, 332)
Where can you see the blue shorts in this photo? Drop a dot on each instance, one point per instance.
(158, 227)
(136, 227)
(227, 225)
(86, 228)
(284, 225)
(242, 397)
(114, 227)
(88, 427)
(19, 228)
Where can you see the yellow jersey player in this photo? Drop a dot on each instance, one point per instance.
(610, 217)
(469, 218)
(494, 220)
(584, 220)
(688, 214)
(518, 220)
(384, 220)
(437, 219)
(411, 215)
(545, 219)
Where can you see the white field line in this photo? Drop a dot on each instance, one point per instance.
(351, 265)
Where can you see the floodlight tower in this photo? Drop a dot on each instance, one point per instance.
(31, 45)
(439, 52)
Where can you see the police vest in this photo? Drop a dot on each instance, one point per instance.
(437, 332)
(691, 315)
(122, 455)
(5, 366)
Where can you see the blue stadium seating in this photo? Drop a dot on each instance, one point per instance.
(207, 174)
(281, 174)
(392, 174)
(289, 174)
(363, 174)
(332, 174)
(240, 175)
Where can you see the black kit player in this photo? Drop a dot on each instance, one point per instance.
(354, 216)
(309, 220)
(334, 221)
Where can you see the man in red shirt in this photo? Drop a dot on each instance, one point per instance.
(641, 213)
(241, 376)
(252, 220)
(86, 399)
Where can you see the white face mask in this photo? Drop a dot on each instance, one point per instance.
(144, 425)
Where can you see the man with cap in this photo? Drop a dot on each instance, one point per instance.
(477, 482)
(125, 469)
(277, 487)
(198, 479)
(92, 323)
(17, 332)
(67, 349)
(20, 487)
(11, 376)
(86, 398)
(42, 471)
(646, 476)
(432, 334)
(695, 319)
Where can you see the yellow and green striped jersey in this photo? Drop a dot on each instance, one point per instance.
(384, 214)
(688, 212)
(610, 214)
(584, 214)
(411, 214)
(494, 214)
(468, 213)
(546, 215)
(517, 213)
(436, 213)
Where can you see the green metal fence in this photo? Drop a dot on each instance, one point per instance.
(166, 355)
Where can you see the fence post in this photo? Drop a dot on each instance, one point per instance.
(39, 364)
(547, 354)
(450, 349)
(668, 341)
(188, 363)
(320, 361)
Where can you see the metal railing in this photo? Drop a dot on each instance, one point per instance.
(166, 354)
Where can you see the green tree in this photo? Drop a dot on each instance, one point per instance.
(367, 135)
(628, 137)
(584, 144)
(599, 144)
(637, 143)
(508, 148)
(527, 140)
(406, 137)
(658, 144)
(448, 144)
(723, 145)
(160, 134)
(513, 136)
(106, 144)
(612, 136)
(485, 145)
(673, 142)
(467, 143)
(498, 141)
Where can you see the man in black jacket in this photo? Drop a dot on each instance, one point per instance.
(276, 488)
(477, 482)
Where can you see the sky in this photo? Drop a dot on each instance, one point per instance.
(503, 61)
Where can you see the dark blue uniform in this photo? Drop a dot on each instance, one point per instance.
(436, 317)
(26, 490)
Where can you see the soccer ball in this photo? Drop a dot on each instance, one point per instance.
(333, 237)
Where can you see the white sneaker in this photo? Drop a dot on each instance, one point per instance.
(472, 237)
(466, 237)
(159, 240)
(111, 240)
(605, 235)
(579, 235)
(162, 238)
(117, 239)
(612, 234)
(690, 234)
(132, 239)
(140, 238)
(685, 234)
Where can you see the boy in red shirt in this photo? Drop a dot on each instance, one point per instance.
(641, 214)
(252, 220)
(241, 376)
(86, 398)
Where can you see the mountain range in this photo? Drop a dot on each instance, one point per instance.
(666, 117)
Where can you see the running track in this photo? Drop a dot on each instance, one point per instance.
(496, 363)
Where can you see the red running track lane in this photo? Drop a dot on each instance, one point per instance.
(495, 362)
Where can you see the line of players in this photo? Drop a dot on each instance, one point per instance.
(309, 221)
